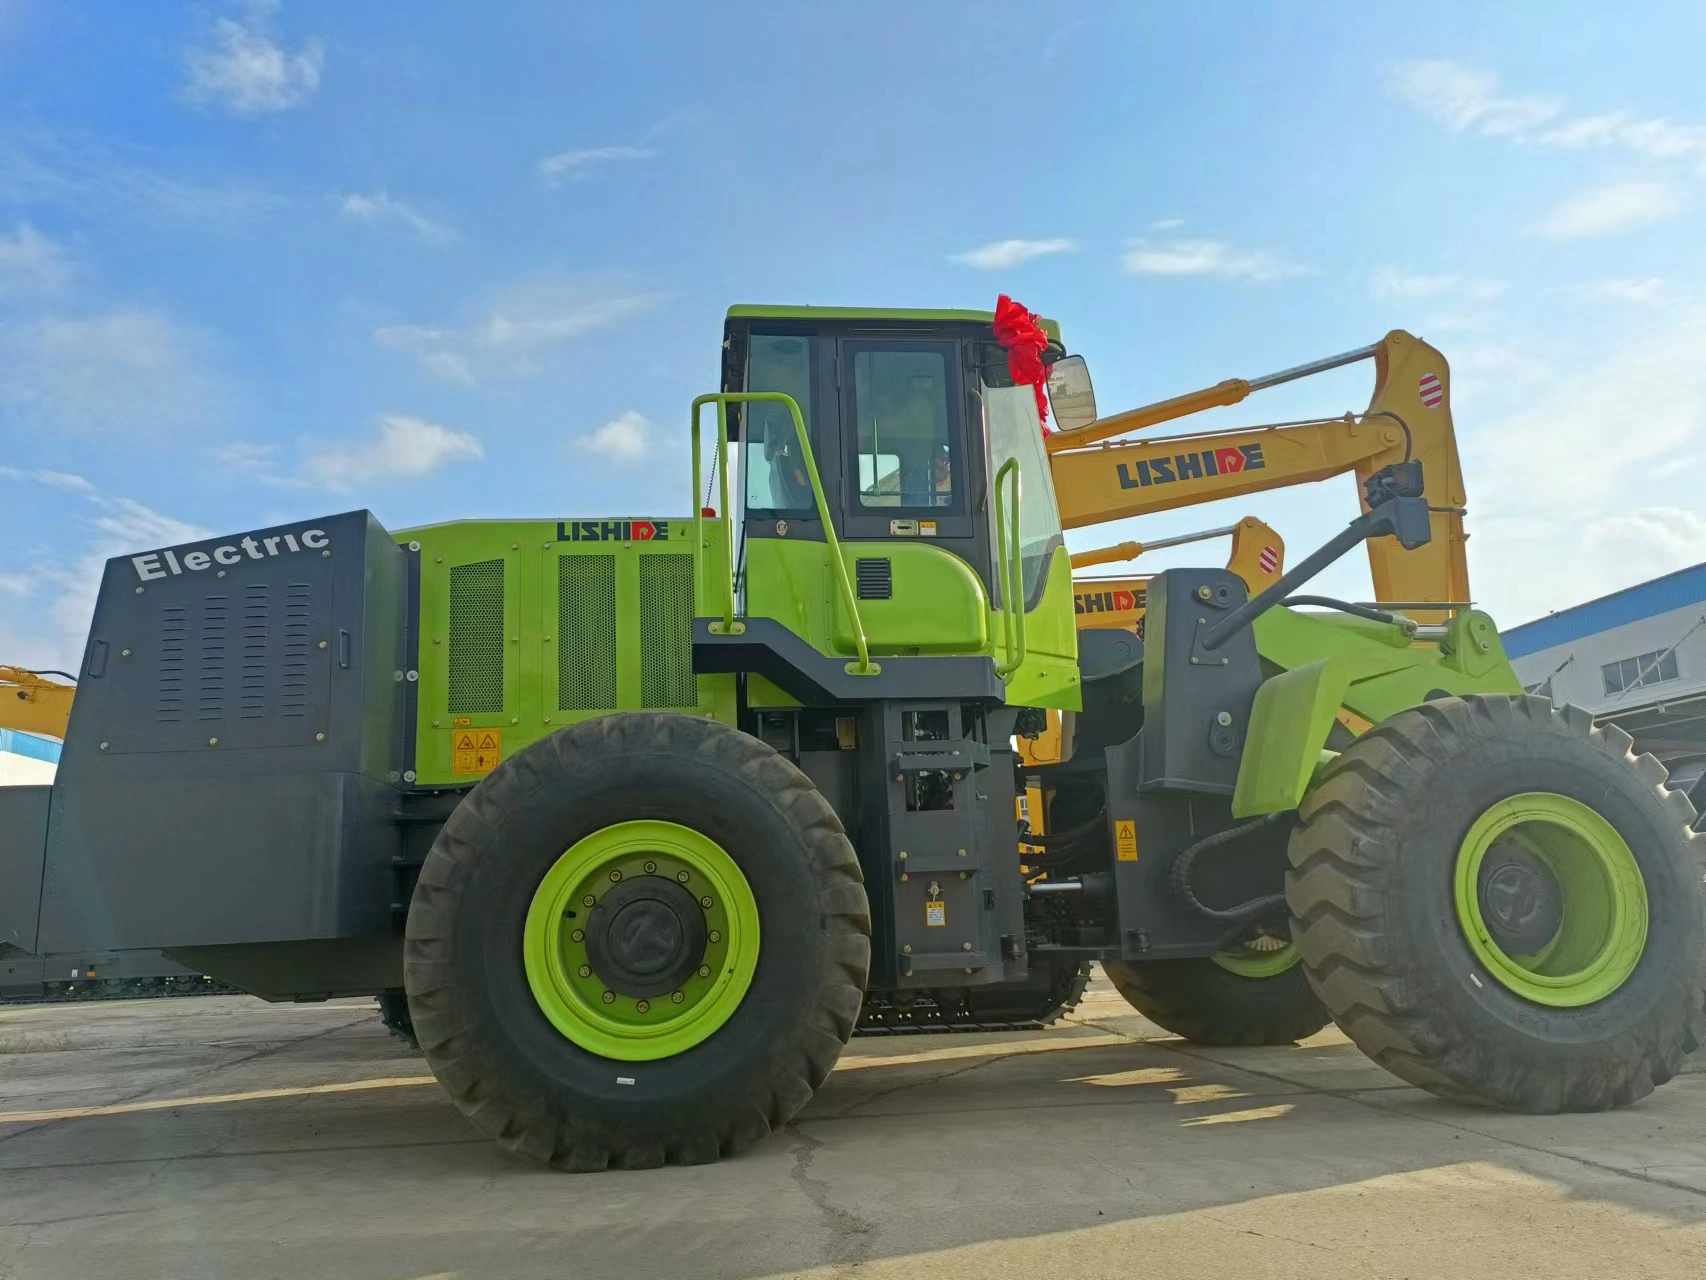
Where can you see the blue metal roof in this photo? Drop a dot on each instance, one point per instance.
(1645, 600)
(32, 745)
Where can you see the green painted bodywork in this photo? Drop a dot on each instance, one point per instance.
(1603, 929)
(1371, 668)
(564, 982)
(909, 314)
(528, 551)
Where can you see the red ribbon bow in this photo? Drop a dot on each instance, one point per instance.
(1022, 334)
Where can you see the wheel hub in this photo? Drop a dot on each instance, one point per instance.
(645, 937)
(1521, 901)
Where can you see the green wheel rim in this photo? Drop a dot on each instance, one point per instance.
(1603, 927)
(1250, 963)
(554, 947)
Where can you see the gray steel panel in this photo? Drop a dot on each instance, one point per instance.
(23, 844)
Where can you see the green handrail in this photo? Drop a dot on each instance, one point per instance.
(864, 667)
(1011, 567)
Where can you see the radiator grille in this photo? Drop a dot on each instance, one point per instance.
(211, 661)
(476, 641)
(586, 633)
(875, 578)
(293, 669)
(174, 658)
(666, 632)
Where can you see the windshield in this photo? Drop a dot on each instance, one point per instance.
(776, 477)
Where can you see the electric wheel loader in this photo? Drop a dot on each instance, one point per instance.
(644, 814)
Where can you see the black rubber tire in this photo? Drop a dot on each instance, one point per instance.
(1370, 891)
(394, 1015)
(540, 1095)
(1206, 1004)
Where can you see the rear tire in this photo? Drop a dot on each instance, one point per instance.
(1207, 1003)
(1596, 891)
(499, 1046)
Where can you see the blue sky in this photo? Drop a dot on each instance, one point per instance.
(262, 261)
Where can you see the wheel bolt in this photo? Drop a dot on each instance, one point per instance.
(651, 867)
(715, 936)
(645, 1006)
(586, 971)
(588, 901)
(578, 935)
(681, 876)
(677, 997)
(609, 997)
(705, 902)
(615, 876)
(704, 971)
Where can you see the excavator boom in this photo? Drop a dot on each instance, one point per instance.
(33, 703)
(1098, 479)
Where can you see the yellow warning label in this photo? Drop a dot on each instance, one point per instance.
(1125, 840)
(475, 750)
(462, 722)
(935, 914)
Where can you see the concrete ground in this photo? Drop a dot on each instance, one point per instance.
(223, 1137)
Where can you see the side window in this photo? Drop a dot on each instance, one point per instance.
(1010, 415)
(905, 445)
(776, 478)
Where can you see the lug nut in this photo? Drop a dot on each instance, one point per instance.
(651, 867)
(615, 876)
(579, 935)
(715, 936)
(704, 971)
(645, 1006)
(705, 902)
(586, 971)
(609, 997)
(681, 876)
(676, 997)
(588, 901)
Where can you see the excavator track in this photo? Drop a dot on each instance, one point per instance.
(1027, 1006)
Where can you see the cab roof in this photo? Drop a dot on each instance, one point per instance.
(748, 311)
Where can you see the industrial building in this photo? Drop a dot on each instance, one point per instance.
(1635, 658)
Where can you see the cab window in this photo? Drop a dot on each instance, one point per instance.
(906, 453)
(776, 477)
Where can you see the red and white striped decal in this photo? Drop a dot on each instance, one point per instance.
(1432, 392)
(1269, 559)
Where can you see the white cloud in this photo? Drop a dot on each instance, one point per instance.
(1212, 258)
(1392, 283)
(1166, 224)
(404, 448)
(53, 479)
(84, 173)
(1576, 486)
(381, 207)
(244, 68)
(624, 438)
(514, 329)
(30, 263)
(999, 255)
(1617, 206)
(17, 584)
(125, 371)
(1462, 98)
(1639, 291)
(1656, 138)
(575, 165)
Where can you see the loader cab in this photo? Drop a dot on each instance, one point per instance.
(910, 416)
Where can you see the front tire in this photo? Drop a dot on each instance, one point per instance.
(1502, 903)
(641, 1027)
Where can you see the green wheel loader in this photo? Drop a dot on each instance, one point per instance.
(645, 814)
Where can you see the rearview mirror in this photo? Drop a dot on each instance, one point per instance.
(1070, 394)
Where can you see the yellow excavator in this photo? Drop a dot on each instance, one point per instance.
(1099, 477)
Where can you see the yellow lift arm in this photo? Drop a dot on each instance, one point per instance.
(1098, 478)
(31, 702)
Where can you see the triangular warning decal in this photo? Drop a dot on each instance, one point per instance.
(488, 741)
(464, 742)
